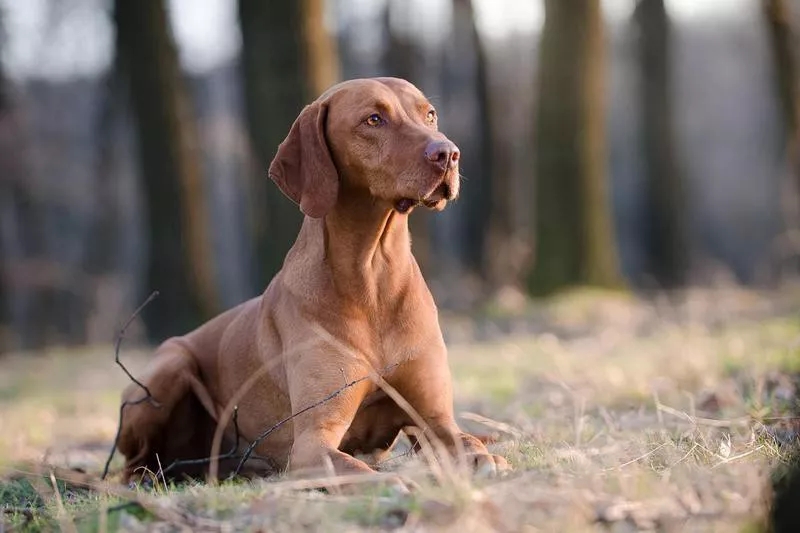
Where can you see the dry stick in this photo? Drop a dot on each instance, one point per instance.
(119, 430)
(249, 451)
(121, 336)
(148, 396)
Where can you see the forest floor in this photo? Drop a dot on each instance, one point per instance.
(618, 413)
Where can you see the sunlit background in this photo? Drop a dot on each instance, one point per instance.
(77, 246)
(617, 283)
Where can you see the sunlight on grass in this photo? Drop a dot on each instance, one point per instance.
(618, 410)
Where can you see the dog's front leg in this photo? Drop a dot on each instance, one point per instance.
(425, 383)
(318, 432)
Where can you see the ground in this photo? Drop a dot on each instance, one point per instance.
(618, 413)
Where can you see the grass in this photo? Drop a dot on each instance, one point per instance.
(615, 412)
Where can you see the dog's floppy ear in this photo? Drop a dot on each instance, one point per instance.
(303, 168)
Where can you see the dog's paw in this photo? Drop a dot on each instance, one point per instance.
(487, 465)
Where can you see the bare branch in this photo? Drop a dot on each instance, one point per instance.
(148, 396)
(248, 452)
(121, 337)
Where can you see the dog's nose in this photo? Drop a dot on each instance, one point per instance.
(443, 154)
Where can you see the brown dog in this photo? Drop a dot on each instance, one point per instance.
(350, 302)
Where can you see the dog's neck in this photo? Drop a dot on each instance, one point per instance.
(363, 244)
(363, 234)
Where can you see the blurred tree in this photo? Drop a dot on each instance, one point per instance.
(778, 16)
(402, 58)
(5, 318)
(574, 240)
(25, 294)
(288, 58)
(3, 88)
(105, 227)
(469, 86)
(180, 263)
(402, 55)
(322, 59)
(667, 236)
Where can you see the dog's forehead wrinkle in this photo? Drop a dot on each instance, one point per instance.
(393, 97)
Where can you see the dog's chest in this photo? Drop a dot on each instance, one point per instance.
(403, 336)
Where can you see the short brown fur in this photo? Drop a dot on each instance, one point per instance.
(350, 274)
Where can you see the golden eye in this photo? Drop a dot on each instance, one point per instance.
(431, 116)
(374, 120)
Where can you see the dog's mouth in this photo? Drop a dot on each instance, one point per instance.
(435, 200)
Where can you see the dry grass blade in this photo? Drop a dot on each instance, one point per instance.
(493, 424)
(337, 480)
(158, 507)
(700, 421)
(227, 412)
(433, 440)
(63, 518)
(637, 459)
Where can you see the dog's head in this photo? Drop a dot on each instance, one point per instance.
(369, 135)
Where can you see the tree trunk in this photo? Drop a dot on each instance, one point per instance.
(667, 235)
(402, 59)
(5, 304)
(574, 237)
(782, 38)
(778, 16)
(180, 262)
(477, 162)
(320, 49)
(287, 60)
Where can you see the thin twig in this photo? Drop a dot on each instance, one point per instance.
(119, 430)
(244, 388)
(148, 396)
(428, 440)
(643, 456)
(249, 451)
(394, 458)
(726, 460)
(121, 337)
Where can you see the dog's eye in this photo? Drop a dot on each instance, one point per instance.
(374, 120)
(431, 116)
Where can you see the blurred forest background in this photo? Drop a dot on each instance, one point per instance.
(653, 144)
